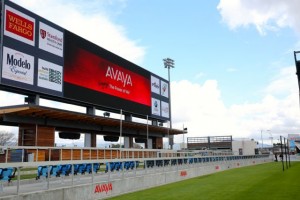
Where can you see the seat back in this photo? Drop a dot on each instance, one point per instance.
(8, 173)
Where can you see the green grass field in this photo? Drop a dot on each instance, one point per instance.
(265, 181)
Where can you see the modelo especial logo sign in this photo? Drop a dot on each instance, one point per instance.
(17, 66)
(19, 26)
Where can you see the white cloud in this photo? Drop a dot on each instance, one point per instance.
(231, 69)
(284, 83)
(201, 109)
(266, 15)
(95, 26)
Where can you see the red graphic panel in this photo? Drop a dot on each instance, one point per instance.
(19, 25)
(93, 72)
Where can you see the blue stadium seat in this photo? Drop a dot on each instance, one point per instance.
(137, 163)
(79, 169)
(132, 163)
(1, 176)
(88, 168)
(42, 171)
(159, 163)
(64, 170)
(7, 173)
(173, 162)
(118, 166)
(110, 166)
(55, 170)
(96, 167)
(149, 163)
(166, 162)
(127, 165)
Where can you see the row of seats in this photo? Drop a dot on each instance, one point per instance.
(6, 174)
(66, 170)
(112, 166)
(160, 163)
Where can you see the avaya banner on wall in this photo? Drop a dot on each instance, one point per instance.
(39, 56)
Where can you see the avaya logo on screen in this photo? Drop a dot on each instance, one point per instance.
(119, 76)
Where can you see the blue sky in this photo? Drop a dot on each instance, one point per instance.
(234, 70)
(203, 46)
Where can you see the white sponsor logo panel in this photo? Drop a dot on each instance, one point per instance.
(155, 107)
(164, 89)
(51, 39)
(19, 26)
(165, 109)
(50, 75)
(155, 86)
(17, 66)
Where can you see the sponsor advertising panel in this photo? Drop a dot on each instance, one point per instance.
(50, 39)
(155, 85)
(95, 73)
(50, 75)
(165, 111)
(17, 66)
(19, 26)
(164, 89)
(155, 107)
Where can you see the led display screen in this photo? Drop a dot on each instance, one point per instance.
(85, 69)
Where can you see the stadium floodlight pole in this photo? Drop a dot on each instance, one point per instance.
(169, 63)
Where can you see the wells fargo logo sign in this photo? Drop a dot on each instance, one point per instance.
(106, 187)
(19, 26)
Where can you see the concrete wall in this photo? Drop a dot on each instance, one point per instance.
(106, 189)
(247, 146)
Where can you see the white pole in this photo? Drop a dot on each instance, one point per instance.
(169, 137)
(147, 133)
(262, 142)
(121, 129)
(183, 131)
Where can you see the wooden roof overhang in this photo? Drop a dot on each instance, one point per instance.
(64, 120)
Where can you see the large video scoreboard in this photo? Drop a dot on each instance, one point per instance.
(41, 57)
